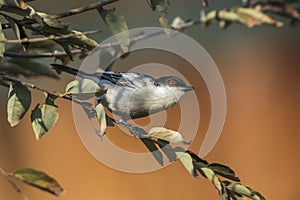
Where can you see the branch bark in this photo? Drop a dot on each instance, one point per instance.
(82, 9)
(70, 12)
(51, 37)
(138, 37)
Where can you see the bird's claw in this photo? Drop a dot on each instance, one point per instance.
(139, 132)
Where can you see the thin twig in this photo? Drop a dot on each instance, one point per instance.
(82, 9)
(24, 197)
(41, 55)
(68, 13)
(138, 37)
(51, 37)
(187, 24)
(57, 94)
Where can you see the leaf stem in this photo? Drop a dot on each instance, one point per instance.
(15, 186)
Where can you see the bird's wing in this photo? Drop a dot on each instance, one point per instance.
(118, 78)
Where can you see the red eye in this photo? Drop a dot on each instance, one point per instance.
(172, 82)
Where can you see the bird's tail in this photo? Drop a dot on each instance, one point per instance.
(71, 70)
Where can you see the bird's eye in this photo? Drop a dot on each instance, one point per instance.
(172, 82)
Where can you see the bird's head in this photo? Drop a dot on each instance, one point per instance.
(174, 84)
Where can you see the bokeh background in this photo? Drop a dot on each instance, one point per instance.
(260, 140)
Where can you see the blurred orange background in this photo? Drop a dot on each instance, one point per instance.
(260, 140)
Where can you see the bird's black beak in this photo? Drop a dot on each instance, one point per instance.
(187, 88)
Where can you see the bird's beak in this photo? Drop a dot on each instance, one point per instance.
(187, 88)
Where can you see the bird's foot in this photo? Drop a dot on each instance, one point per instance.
(138, 132)
(133, 129)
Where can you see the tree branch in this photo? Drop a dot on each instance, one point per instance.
(82, 9)
(138, 37)
(69, 12)
(24, 197)
(41, 55)
(57, 94)
(51, 37)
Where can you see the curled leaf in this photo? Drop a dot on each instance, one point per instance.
(102, 119)
(224, 171)
(117, 25)
(248, 16)
(84, 89)
(211, 176)
(167, 135)
(161, 6)
(177, 23)
(243, 190)
(187, 161)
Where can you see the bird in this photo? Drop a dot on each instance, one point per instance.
(132, 95)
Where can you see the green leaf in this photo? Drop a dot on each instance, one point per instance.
(14, 26)
(118, 25)
(224, 171)
(39, 180)
(243, 190)
(43, 119)
(18, 7)
(49, 27)
(197, 159)
(18, 30)
(163, 20)
(102, 119)
(154, 3)
(67, 49)
(162, 7)
(81, 41)
(84, 89)
(187, 162)
(27, 67)
(167, 135)
(19, 100)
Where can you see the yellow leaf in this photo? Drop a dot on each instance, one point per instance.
(167, 134)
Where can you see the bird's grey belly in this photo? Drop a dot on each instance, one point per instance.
(129, 104)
